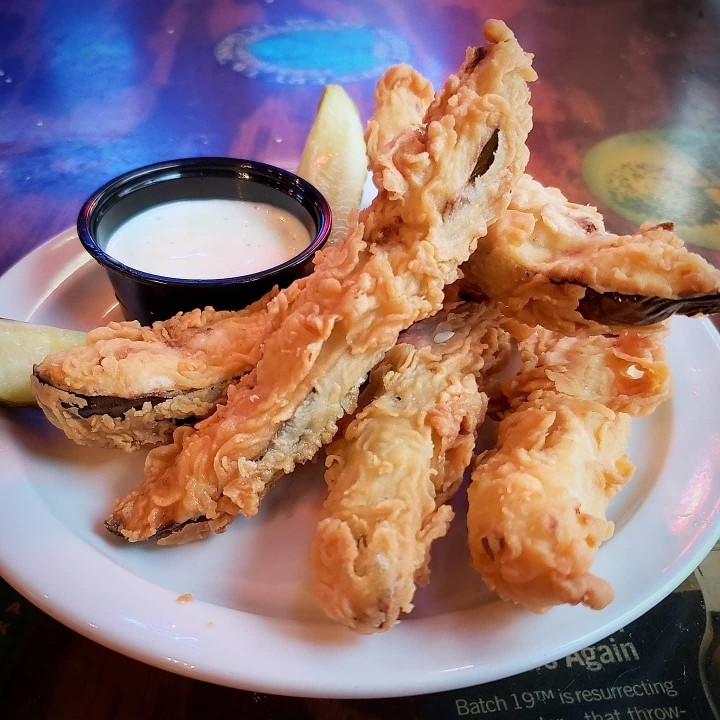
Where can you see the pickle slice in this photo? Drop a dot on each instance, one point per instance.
(21, 346)
(334, 158)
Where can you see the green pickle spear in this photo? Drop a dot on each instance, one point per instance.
(21, 346)
(334, 159)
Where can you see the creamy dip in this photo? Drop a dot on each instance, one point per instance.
(205, 239)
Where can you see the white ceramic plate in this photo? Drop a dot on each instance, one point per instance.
(252, 622)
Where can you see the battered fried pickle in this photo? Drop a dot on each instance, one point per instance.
(537, 502)
(400, 461)
(130, 385)
(551, 262)
(441, 185)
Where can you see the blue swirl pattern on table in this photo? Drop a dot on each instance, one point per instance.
(300, 52)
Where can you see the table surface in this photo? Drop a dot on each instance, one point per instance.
(91, 89)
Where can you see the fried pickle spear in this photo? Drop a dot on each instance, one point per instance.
(400, 461)
(537, 502)
(441, 185)
(130, 386)
(551, 262)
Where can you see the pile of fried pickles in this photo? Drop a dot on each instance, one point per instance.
(465, 292)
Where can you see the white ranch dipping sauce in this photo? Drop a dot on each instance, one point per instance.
(208, 239)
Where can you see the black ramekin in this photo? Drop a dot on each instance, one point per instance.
(147, 297)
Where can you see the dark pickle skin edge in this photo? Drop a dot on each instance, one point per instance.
(113, 526)
(486, 156)
(116, 407)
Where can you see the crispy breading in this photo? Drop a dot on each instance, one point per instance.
(441, 185)
(401, 460)
(551, 262)
(537, 502)
(402, 96)
(627, 372)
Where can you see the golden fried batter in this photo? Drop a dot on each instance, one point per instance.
(400, 461)
(551, 227)
(551, 262)
(537, 502)
(627, 372)
(402, 96)
(441, 185)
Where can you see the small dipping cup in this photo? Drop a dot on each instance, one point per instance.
(147, 297)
